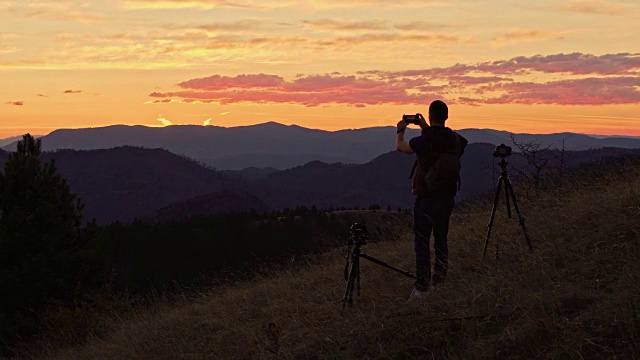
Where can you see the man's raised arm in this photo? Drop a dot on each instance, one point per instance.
(401, 144)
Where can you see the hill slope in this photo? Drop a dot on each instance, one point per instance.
(385, 179)
(225, 201)
(125, 183)
(575, 296)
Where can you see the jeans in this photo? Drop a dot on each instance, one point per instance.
(431, 214)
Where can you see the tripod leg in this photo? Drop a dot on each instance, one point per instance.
(506, 194)
(347, 290)
(493, 215)
(358, 277)
(348, 294)
(509, 188)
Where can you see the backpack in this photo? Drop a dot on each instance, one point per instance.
(443, 176)
(444, 172)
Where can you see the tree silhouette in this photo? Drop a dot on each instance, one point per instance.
(43, 254)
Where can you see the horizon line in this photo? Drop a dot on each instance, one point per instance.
(307, 128)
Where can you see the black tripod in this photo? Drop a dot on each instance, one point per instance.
(508, 190)
(358, 236)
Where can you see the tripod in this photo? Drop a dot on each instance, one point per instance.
(358, 237)
(508, 190)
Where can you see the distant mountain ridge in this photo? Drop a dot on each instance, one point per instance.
(13, 139)
(125, 183)
(281, 146)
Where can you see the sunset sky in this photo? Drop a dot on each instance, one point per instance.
(521, 66)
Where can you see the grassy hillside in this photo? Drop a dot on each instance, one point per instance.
(576, 296)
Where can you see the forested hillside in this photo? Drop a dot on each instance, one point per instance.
(126, 183)
(575, 295)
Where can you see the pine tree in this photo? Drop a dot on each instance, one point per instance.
(43, 252)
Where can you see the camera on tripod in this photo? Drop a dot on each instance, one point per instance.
(502, 151)
(358, 234)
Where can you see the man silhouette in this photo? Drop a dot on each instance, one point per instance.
(433, 207)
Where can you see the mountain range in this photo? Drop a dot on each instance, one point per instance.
(13, 141)
(282, 147)
(126, 183)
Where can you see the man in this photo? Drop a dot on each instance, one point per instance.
(433, 206)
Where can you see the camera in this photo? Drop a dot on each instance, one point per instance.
(358, 234)
(412, 119)
(502, 151)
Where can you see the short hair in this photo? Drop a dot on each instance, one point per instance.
(439, 111)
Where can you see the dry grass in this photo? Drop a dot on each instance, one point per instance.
(576, 296)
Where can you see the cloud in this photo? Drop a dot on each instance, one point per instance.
(225, 113)
(237, 26)
(161, 101)
(464, 80)
(164, 121)
(345, 25)
(69, 16)
(386, 4)
(205, 4)
(597, 7)
(59, 10)
(42, 95)
(161, 42)
(578, 79)
(207, 122)
(310, 90)
(274, 4)
(587, 91)
(421, 26)
(8, 49)
(16, 103)
(392, 38)
(19, 63)
(72, 91)
(515, 36)
(217, 82)
(574, 63)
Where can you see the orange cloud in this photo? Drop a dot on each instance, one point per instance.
(597, 7)
(345, 25)
(72, 91)
(391, 38)
(8, 49)
(521, 35)
(205, 4)
(69, 16)
(337, 4)
(421, 26)
(16, 103)
(58, 10)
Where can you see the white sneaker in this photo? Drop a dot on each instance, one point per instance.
(417, 294)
